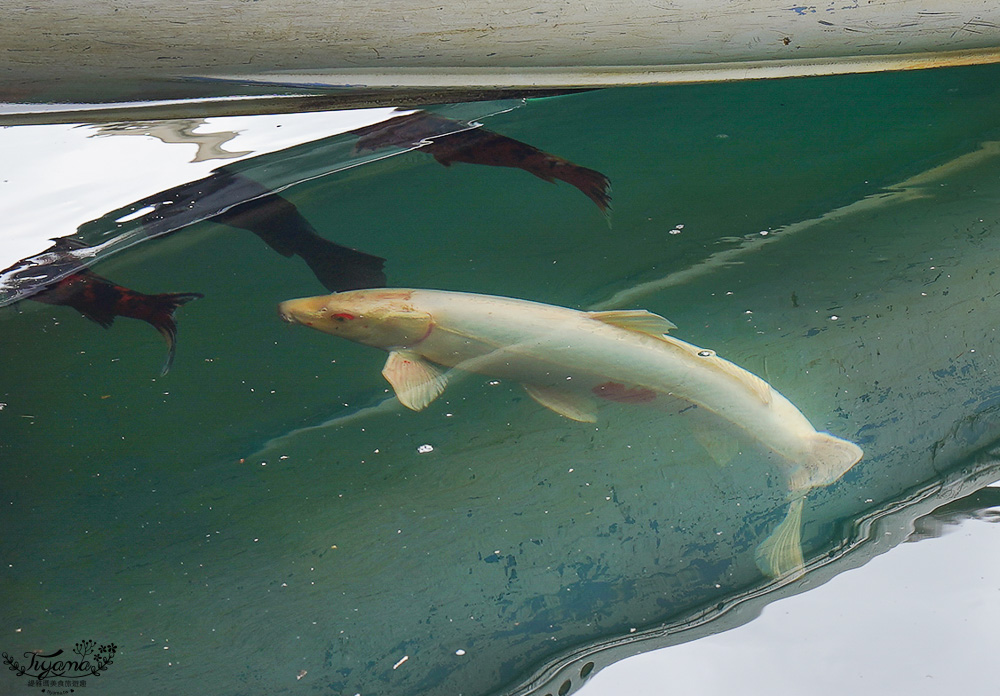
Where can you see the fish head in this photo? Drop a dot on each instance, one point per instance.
(381, 318)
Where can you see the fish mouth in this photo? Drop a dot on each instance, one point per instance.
(286, 315)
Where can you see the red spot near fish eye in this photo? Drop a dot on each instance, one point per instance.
(619, 393)
(341, 316)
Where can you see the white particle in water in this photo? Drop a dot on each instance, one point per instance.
(834, 317)
(404, 659)
(424, 449)
(459, 652)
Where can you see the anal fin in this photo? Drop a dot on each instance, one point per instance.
(415, 381)
(780, 554)
(568, 404)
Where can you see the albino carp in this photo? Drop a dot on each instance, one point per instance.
(567, 360)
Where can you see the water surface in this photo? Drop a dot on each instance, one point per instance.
(265, 509)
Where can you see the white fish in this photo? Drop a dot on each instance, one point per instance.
(568, 360)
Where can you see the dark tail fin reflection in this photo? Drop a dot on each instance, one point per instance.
(284, 229)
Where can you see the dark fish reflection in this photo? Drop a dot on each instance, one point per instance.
(481, 146)
(278, 223)
(59, 275)
(101, 301)
(235, 200)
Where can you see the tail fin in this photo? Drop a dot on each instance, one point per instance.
(827, 459)
(780, 554)
(593, 184)
(162, 318)
(340, 268)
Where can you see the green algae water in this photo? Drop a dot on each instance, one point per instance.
(267, 519)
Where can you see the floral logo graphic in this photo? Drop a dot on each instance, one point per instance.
(56, 670)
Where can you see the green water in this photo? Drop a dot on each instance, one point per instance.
(201, 523)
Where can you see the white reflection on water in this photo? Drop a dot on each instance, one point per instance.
(56, 177)
(915, 620)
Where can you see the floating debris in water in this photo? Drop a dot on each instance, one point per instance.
(424, 449)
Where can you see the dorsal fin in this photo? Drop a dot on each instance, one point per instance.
(638, 320)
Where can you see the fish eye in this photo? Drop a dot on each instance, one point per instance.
(706, 353)
(342, 316)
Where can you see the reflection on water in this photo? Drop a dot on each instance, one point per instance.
(268, 517)
(59, 275)
(930, 605)
(209, 142)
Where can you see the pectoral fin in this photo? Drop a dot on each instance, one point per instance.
(573, 406)
(638, 320)
(415, 381)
